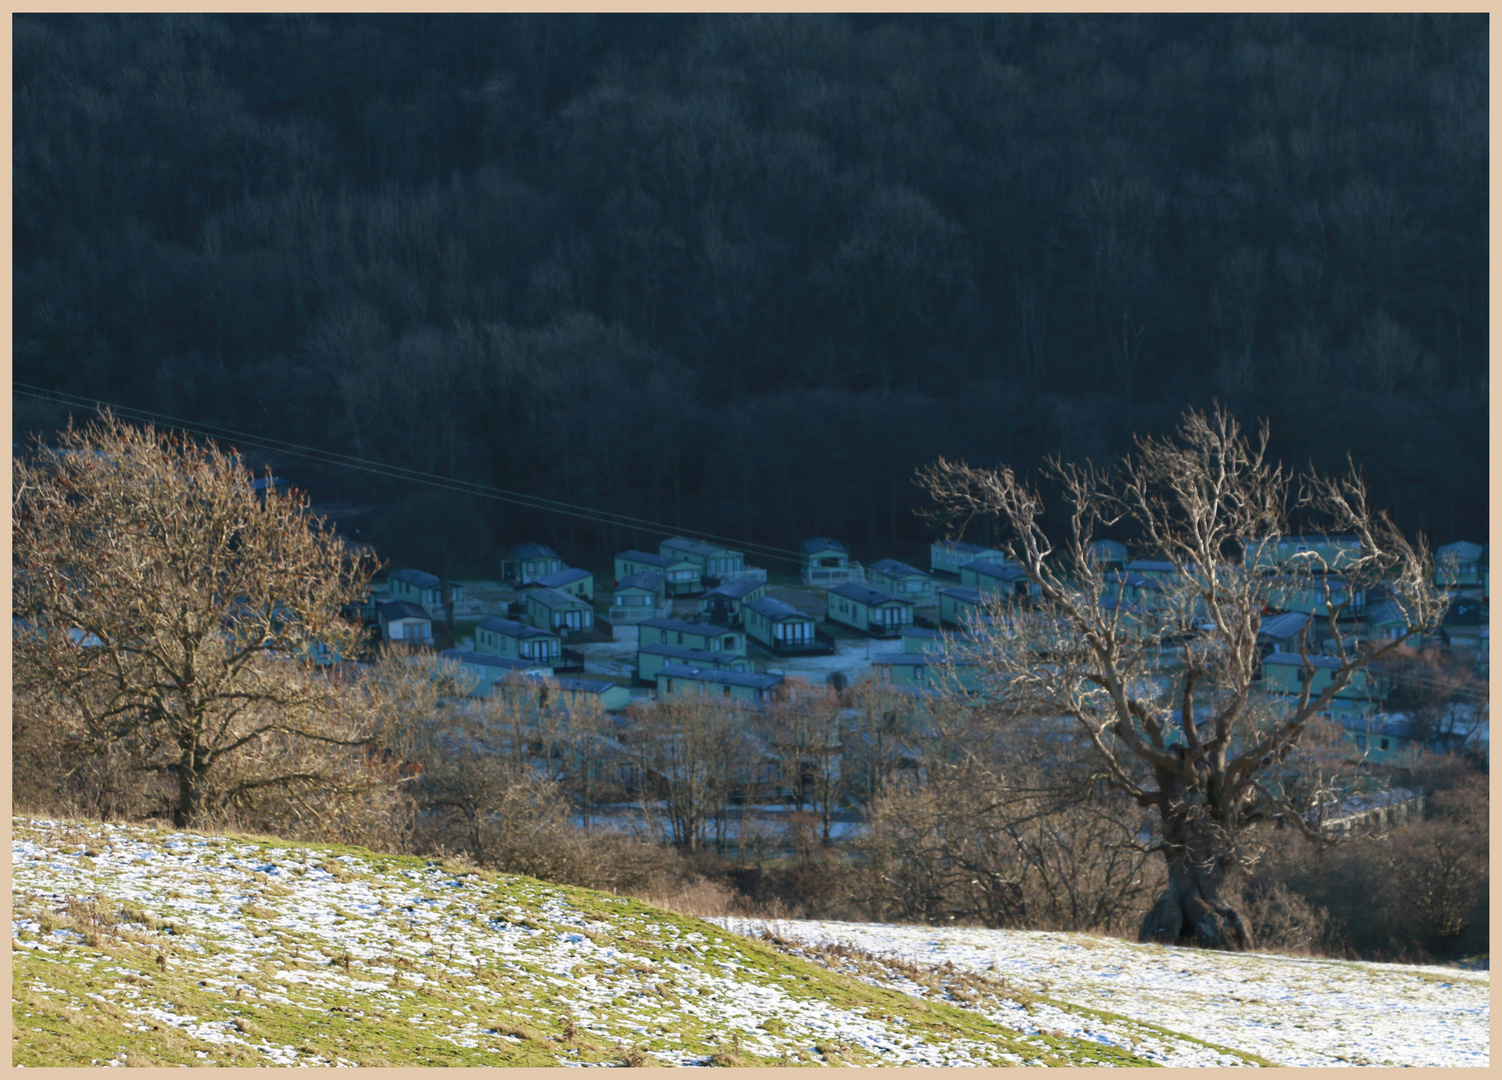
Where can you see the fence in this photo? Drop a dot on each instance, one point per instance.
(827, 577)
(750, 573)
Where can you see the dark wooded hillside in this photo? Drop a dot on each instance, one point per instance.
(743, 274)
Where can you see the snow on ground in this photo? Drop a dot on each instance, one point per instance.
(765, 822)
(616, 657)
(1291, 1010)
(271, 922)
(256, 926)
(852, 659)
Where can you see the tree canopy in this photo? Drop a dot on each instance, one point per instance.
(742, 274)
(173, 616)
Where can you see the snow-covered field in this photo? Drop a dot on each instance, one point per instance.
(136, 946)
(1290, 1010)
(133, 946)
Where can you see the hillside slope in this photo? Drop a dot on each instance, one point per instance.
(1291, 1010)
(133, 946)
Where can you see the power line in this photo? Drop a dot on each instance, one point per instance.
(1420, 682)
(399, 472)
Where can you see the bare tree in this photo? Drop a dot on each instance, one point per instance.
(562, 738)
(1120, 220)
(486, 775)
(881, 740)
(1440, 693)
(691, 755)
(168, 609)
(1161, 685)
(1004, 849)
(803, 728)
(1004, 826)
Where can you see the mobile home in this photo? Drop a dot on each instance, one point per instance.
(820, 552)
(528, 562)
(637, 597)
(964, 606)
(691, 635)
(1159, 569)
(1282, 674)
(712, 559)
(417, 587)
(780, 628)
(900, 579)
(1283, 633)
(651, 658)
(827, 562)
(1457, 565)
(994, 578)
(1386, 619)
(931, 670)
(480, 671)
(680, 576)
(679, 681)
(1131, 587)
(1300, 593)
(1108, 554)
(1313, 553)
(868, 610)
(723, 603)
(918, 639)
(518, 641)
(947, 556)
(402, 620)
(575, 582)
(553, 609)
(548, 692)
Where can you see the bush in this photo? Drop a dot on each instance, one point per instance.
(1416, 893)
(1281, 920)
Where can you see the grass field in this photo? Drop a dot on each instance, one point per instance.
(134, 946)
(138, 947)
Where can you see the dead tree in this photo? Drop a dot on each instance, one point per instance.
(1159, 680)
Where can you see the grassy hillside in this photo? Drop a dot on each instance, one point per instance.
(140, 947)
(1284, 1010)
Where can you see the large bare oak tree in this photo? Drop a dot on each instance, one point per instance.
(168, 611)
(1159, 679)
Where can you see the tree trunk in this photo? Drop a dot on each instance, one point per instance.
(1191, 912)
(189, 792)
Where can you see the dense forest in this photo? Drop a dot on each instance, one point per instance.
(743, 274)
